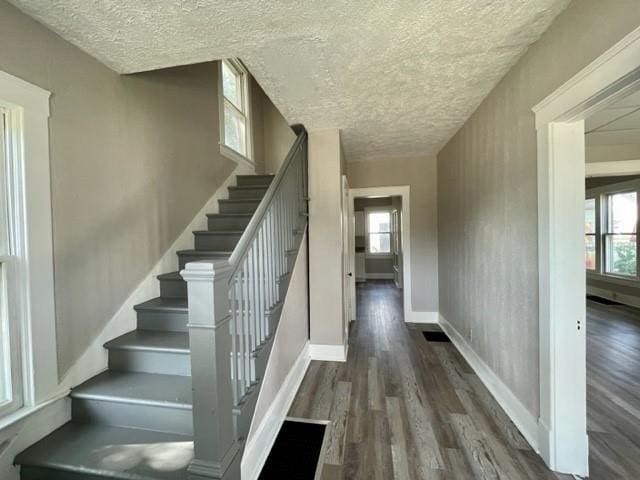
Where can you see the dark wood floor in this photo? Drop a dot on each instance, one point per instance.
(613, 391)
(403, 408)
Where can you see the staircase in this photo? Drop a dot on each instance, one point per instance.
(135, 420)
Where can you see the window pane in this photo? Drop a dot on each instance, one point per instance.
(623, 212)
(232, 85)
(621, 254)
(590, 252)
(379, 222)
(234, 130)
(590, 215)
(4, 217)
(380, 243)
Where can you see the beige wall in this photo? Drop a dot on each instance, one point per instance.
(487, 201)
(272, 135)
(133, 159)
(612, 153)
(325, 238)
(420, 174)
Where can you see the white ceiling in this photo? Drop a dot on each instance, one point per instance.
(618, 124)
(398, 77)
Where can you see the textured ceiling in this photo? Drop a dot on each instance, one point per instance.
(398, 77)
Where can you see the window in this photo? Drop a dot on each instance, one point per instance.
(234, 112)
(620, 238)
(10, 377)
(379, 232)
(590, 233)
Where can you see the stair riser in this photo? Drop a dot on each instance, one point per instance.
(147, 417)
(163, 321)
(173, 288)
(238, 207)
(167, 363)
(228, 223)
(247, 193)
(221, 242)
(242, 181)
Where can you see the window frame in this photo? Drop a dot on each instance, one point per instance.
(236, 65)
(29, 192)
(367, 212)
(601, 196)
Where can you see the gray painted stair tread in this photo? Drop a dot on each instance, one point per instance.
(240, 200)
(206, 253)
(229, 214)
(172, 391)
(150, 340)
(218, 232)
(115, 452)
(164, 304)
(170, 276)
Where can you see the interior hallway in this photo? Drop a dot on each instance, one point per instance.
(405, 408)
(613, 391)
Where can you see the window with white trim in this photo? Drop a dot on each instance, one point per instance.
(11, 397)
(611, 240)
(378, 223)
(234, 121)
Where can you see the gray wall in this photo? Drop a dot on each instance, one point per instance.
(420, 174)
(133, 159)
(487, 198)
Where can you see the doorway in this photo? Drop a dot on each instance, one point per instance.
(381, 246)
(560, 123)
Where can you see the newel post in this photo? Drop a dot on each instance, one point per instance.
(216, 448)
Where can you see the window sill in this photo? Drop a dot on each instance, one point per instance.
(630, 282)
(379, 255)
(29, 410)
(231, 154)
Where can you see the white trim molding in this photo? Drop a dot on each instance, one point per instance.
(259, 444)
(28, 107)
(328, 353)
(422, 317)
(613, 169)
(560, 118)
(523, 419)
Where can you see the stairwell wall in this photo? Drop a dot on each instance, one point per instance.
(133, 158)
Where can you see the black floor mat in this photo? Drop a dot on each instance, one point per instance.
(295, 452)
(603, 301)
(436, 337)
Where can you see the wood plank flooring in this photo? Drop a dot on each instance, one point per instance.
(613, 391)
(403, 408)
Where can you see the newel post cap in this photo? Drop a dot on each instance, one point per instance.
(206, 270)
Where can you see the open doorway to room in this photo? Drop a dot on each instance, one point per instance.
(381, 250)
(570, 439)
(612, 193)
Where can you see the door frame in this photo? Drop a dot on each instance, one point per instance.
(403, 191)
(562, 426)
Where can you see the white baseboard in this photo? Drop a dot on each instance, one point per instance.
(328, 353)
(421, 317)
(379, 276)
(517, 412)
(630, 300)
(94, 360)
(259, 444)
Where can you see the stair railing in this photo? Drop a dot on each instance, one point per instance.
(234, 308)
